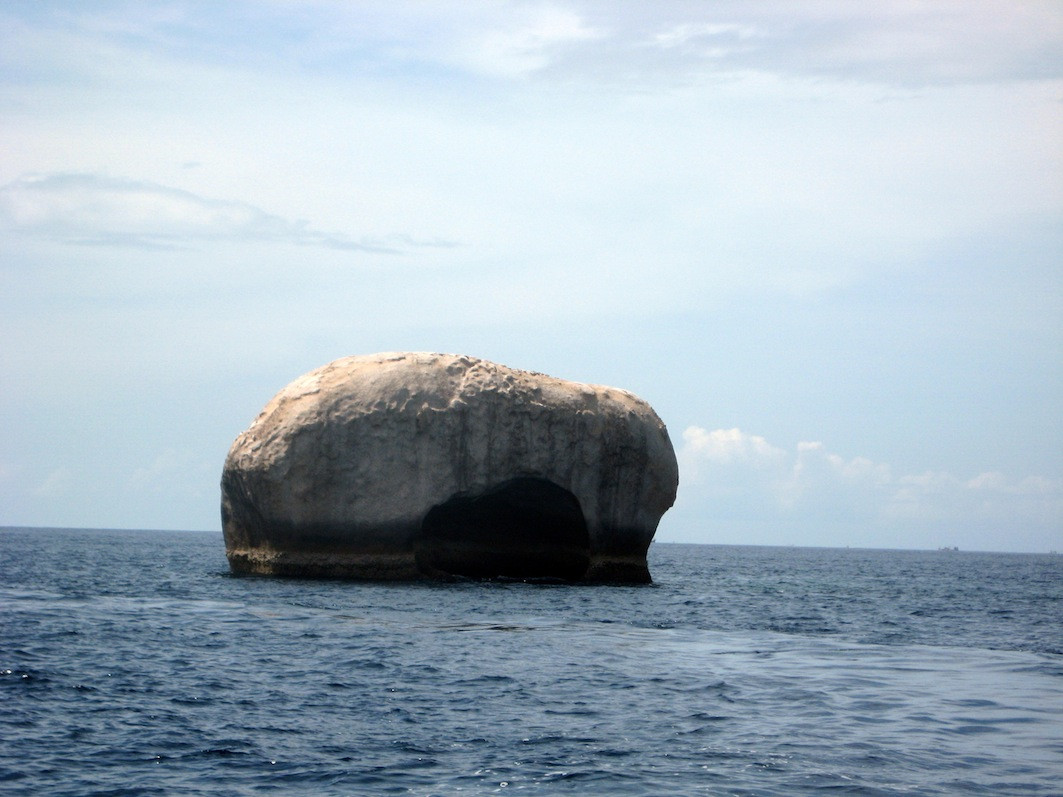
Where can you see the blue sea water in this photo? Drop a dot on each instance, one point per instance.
(132, 663)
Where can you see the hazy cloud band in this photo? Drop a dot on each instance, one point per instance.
(90, 209)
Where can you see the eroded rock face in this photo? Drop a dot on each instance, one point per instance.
(414, 465)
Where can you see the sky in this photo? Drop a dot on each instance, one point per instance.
(823, 239)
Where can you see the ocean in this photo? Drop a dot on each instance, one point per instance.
(132, 663)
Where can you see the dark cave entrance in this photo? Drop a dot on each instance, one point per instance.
(524, 528)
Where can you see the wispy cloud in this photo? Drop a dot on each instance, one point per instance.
(891, 42)
(90, 209)
(712, 39)
(740, 475)
(724, 447)
(527, 44)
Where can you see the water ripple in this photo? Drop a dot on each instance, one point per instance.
(129, 668)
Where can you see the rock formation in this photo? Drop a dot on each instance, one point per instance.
(415, 465)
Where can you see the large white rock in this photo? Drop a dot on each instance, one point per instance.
(408, 465)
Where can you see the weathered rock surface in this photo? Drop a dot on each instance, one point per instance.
(414, 465)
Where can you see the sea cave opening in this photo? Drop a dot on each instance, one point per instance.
(523, 528)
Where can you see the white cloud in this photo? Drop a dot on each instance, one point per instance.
(735, 476)
(891, 42)
(91, 209)
(685, 33)
(887, 43)
(528, 45)
(728, 446)
(813, 457)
